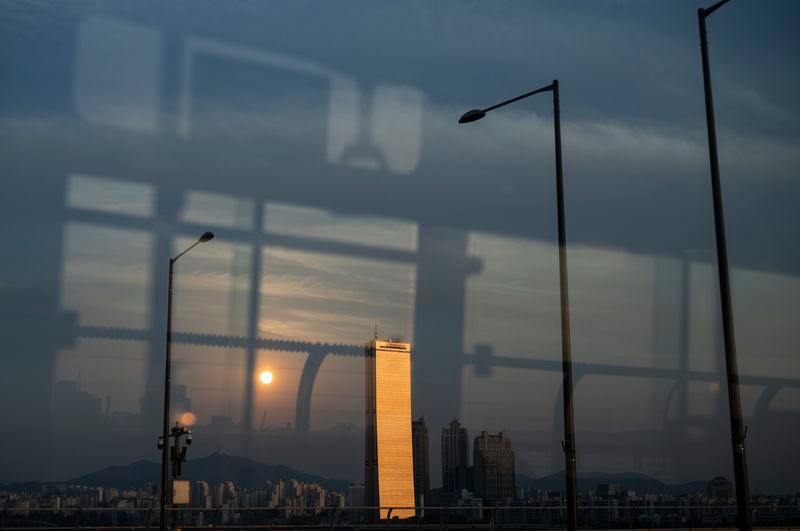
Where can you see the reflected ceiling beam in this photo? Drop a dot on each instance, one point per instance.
(343, 349)
(598, 369)
(252, 237)
(214, 340)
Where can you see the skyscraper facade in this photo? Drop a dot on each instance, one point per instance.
(494, 466)
(422, 461)
(389, 467)
(455, 457)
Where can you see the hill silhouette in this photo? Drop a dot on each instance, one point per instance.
(628, 481)
(219, 467)
(214, 468)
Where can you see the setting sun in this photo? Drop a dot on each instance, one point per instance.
(265, 377)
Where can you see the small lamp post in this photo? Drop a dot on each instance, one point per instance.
(163, 443)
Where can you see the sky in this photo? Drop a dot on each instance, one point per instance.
(320, 142)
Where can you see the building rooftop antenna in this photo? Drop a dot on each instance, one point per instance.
(376, 331)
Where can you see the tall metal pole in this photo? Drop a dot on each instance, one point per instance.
(566, 346)
(167, 385)
(734, 401)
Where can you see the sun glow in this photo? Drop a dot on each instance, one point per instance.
(265, 377)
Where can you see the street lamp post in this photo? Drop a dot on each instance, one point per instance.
(566, 348)
(734, 401)
(164, 443)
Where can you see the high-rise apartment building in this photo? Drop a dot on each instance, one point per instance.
(721, 488)
(494, 466)
(218, 495)
(422, 461)
(355, 502)
(201, 495)
(389, 470)
(455, 457)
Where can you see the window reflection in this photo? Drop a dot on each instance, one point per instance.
(118, 73)
(115, 196)
(333, 299)
(111, 371)
(345, 197)
(107, 275)
(218, 210)
(296, 220)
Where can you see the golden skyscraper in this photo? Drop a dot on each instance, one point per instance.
(389, 465)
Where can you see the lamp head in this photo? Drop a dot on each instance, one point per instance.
(205, 237)
(471, 116)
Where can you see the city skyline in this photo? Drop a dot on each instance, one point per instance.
(607, 502)
(138, 474)
(219, 424)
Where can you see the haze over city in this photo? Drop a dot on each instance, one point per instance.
(320, 143)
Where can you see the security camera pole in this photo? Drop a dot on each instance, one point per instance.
(178, 453)
(178, 458)
(164, 439)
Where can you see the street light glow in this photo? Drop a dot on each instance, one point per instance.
(188, 419)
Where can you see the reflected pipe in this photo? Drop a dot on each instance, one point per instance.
(568, 444)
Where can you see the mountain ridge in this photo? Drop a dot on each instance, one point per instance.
(218, 467)
(587, 481)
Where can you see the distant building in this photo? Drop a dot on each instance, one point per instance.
(71, 404)
(355, 495)
(355, 501)
(422, 461)
(223, 493)
(609, 490)
(201, 495)
(720, 488)
(388, 466)
(221, 422)
(180, 399)
(494, 467)
(455, 457)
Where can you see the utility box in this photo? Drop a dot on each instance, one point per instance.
(180, 491)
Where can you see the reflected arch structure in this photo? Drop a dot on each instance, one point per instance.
(430, 279)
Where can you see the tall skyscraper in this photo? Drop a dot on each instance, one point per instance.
(494, 466)
(388, 471)
(455, 457)
(422, 461)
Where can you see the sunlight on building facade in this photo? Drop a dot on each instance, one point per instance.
(388, 474)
